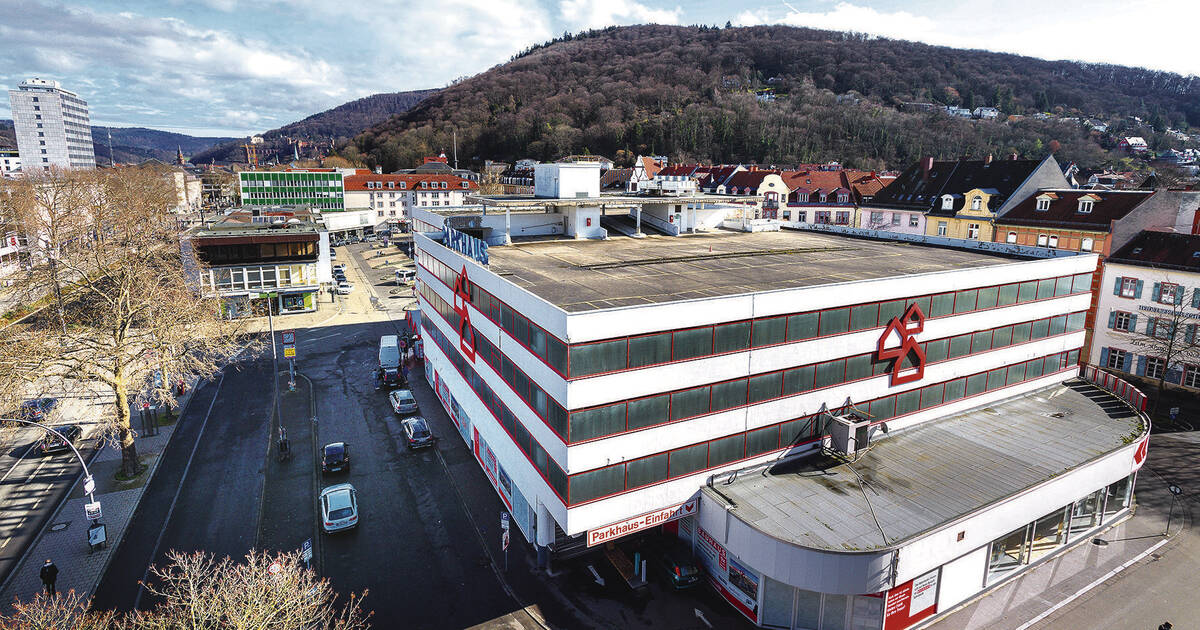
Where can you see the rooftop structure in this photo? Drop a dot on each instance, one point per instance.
(589, 275)
(935, 473)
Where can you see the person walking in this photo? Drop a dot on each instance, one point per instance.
(49, 575)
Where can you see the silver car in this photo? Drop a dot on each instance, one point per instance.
(339, 508)
(403, 402)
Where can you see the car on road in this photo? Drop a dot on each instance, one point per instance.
(339, 508)
(53, 444)
(676, 562)
(344, 288)
(417, 433)
(335, 457)
(36, 409)
(403, 402)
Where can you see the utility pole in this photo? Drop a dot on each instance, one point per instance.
(455, 130)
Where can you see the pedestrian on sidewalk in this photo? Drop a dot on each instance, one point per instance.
(49, 575)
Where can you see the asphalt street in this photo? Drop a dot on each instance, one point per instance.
(209, 483)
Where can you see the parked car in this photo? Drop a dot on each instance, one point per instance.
(676, 562)
(339, 508)
(339, 277)
(344, 288)
(52, 443)
(340, 267)
(333, 254)
(36, 409)
(416, 432)
(335, 457)
(403, 402)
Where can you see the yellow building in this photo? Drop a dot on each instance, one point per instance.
(968, 215)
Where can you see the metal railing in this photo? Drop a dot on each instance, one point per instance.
(1114, 385)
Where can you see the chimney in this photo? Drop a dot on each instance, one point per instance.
(987, 161)
(926, 166)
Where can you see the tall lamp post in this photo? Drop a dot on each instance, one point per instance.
(89, 484)
(1175, 492)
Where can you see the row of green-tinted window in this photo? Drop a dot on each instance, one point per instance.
(639, 473)
(534, 338)
(631, 415)
(654, 349)
(332, 178)
(546, 408)
(537, 456)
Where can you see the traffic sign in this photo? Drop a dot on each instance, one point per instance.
(289, 337)
(504, 521)
(306, 550)
(504, 543)
(275, 568)
(89, 485)
(92, 510)
(289, 352)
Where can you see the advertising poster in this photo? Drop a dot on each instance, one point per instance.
(911, 602)
(734, 581)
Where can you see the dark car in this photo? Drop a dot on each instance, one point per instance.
(35, 410)
(416, 432)
(53, 444)
(677, 563)
(336, 457)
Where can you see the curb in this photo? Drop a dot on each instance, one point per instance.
(66, 496)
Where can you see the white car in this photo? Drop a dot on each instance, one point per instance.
(344, 288)
(403, 402)
(339, 508)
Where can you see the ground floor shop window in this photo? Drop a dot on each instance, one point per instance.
(1117, 497)
(808, 610)
(1049, 533)
(1008, 553)
(833, 612)
(294, 302)
(1085, 514)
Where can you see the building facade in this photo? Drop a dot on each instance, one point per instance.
(959, 199)
(1149, 310)
(391, 198)
(255, 267)
(322, 189)
(599, 396)
(10, 162)
(52, 126)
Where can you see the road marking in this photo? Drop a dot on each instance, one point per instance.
(18, 462)
(158, 541)
(1104, 578)
(700, 616)
(338, 334)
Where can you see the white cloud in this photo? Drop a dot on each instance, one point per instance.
(849, 17)
(585, 14)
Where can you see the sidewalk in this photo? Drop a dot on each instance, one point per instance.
(65, 537)
(1032, 599)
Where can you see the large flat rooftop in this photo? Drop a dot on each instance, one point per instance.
(582, 275)
(925, 476)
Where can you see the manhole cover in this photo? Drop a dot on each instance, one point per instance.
(58, 527)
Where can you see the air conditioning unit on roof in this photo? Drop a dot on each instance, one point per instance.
(849, 433)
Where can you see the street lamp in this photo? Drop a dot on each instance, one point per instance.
(89, 483)
(1175, 492)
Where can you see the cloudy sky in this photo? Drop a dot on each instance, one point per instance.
(234, 67)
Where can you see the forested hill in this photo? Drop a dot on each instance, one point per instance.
(689, 93)
(131, 144)
(341, 122)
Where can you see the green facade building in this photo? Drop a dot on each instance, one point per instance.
(319, 189)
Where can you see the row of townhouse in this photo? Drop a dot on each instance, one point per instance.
(811, 193)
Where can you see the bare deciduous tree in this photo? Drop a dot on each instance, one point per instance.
(197, 592)
(118, 276)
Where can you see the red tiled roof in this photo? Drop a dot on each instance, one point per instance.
(412, 182)
(651, 167)
(1064, 208)
(814, 180)
(748, 179)
(677, 170)
(865, 183)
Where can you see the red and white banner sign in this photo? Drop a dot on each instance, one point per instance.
(638, 523)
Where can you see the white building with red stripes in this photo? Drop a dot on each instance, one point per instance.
(851, 433)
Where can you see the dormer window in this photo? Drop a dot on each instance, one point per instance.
(443, 184)
(843, 197)
(391, 185)
(1085, 205)
(976, 203)
(424, 184)
(403, 185)
(370, 185)
(947, 202)
(1043, 203)
(465, 185)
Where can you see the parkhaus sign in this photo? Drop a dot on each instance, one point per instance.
(638, 523)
